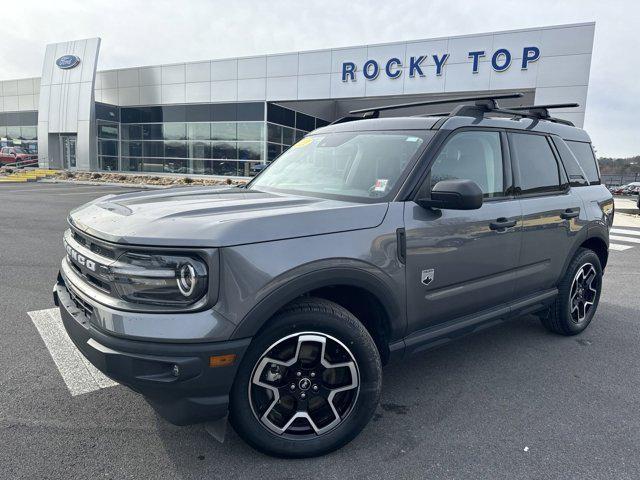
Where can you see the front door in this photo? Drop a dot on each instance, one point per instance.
(460, 262)
(68, 144)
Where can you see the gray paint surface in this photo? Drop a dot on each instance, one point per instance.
(270, 244)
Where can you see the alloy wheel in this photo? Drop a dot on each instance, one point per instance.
(304, 385)
(584, 291)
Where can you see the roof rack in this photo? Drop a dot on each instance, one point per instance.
(483, 104)
(374, 112)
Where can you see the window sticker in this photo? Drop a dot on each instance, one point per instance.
(303, 143)
(380, 185)
(413, 139)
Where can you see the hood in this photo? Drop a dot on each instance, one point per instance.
(214, 217)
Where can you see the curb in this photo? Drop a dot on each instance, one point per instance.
(109, 184)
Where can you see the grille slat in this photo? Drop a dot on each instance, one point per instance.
(94, 246)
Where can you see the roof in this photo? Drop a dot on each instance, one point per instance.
(451, 123)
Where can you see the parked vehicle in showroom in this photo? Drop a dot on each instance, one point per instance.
(9, 155)
(369, 240)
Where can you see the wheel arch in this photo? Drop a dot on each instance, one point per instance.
(597, 240)
(364, 294)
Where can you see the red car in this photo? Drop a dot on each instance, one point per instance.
(15, 154)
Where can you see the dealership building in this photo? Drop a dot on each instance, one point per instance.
(225, 117)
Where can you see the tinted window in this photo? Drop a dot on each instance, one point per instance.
(473, 156)
(577, 177)
(536, 163)
(586, 159)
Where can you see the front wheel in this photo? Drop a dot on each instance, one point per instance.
(309, 382)
(578, 295)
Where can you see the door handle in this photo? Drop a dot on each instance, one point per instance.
(570, 213)
(502, 223)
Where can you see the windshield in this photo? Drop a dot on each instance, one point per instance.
(19, 150)
(362, 165)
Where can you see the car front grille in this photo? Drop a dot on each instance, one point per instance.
(94, 246)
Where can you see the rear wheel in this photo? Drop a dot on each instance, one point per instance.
(578, 295)
(309, 383)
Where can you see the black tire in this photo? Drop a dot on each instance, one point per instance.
(562, 318)
(307, 316)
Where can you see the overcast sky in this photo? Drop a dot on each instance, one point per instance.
(146, 32)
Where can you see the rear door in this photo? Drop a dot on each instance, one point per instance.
(551, 212)
(459, 262)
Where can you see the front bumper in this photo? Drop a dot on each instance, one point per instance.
(198, 393)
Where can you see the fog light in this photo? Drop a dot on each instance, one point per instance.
(175, 371)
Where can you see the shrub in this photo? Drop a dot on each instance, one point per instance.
(122, 178)
(229, 181)
(187, 180)
(95, 176)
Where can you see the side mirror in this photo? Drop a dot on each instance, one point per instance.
(454, 195)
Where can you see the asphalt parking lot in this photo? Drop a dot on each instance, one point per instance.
(511, 402)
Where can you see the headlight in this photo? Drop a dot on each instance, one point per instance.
(169, 280)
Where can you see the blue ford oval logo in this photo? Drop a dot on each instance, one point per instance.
(67, 61)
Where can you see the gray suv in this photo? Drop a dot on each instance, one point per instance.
(277, 303)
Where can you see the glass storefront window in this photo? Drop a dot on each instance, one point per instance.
(29, 133)
(199, 149)
(107, 130)
(13, 133)
(199, 131)
(273, 151)
(153, 149)
(152, 131)
(132, 149)
(109, 164)
(153, 165)
(250, 150)
(224, 168)
(176, 165)
(224, 150)
(299, 135)
(274, 133)
(108, 147)
(175, 131)
(176, 149)
(223, 131)
(288, 136)
(251, 131)
(132, 164)
(131, 132)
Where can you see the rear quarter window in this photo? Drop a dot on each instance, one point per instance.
(536, 164)
(587, 160)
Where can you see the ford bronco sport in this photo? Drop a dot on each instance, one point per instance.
(371, 239)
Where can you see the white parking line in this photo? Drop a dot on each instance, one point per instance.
(619, 238)
(620, 248)
(625, 231)
(76, 371)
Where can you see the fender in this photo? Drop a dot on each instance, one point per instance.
(363, 277)
(594, 230)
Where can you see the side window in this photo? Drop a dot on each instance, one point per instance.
(473, 156)
(537, 166)
(587, 160)
(577, 176)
